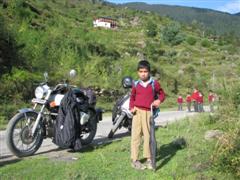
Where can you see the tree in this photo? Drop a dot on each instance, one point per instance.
(151, 29)
(171, 34)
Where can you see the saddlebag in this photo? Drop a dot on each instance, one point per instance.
(67, 129)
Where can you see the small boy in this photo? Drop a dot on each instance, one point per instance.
(180, 102)
(200, 102)
(189, 101)
(211, 99)
(145, 92)
(195, 97)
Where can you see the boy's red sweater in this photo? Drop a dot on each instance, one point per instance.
(180, 99)
(210, 97)
(188, 99)
(200, 98)
(142, 97)
(195, 95)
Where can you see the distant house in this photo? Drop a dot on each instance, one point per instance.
(105, 22)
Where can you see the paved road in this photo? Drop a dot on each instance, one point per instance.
(101, 136)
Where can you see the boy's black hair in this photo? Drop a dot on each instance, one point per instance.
(144, 64)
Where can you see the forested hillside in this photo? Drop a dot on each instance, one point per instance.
(214, 22)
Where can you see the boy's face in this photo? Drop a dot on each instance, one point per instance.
(143, 74)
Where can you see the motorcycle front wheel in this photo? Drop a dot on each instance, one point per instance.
(18, 135)
(116, 125)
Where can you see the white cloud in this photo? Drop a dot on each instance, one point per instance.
(231, 7)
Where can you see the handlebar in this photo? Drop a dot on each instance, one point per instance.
(60, 86)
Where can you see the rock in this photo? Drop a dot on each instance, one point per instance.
(127, 54)
(135, 21)
(213, 134)
(162, 124)
(200, 167)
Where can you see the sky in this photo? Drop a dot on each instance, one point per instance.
(230, 6)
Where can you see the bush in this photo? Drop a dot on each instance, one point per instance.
(205, 43)
(227, 155)
(236, 98)
(17, 86)
(191, 40)
(190, 69)
(101, 50)
(151, 29)
(171, 34)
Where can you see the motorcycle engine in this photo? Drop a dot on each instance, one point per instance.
(49, 126)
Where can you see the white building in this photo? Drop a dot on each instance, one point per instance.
(105, 22)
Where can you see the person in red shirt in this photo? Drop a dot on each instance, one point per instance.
(195, 95)
(200, 102)
(180, 102)
(145, 92)
(189, 101)
(211, 99)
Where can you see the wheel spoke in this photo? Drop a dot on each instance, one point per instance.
(17, 142)
(21, 134)
(16, 134)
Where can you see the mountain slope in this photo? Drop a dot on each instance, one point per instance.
(56, 36)
(212, 20)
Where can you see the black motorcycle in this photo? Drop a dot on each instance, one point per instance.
(27, 129)
(121, 115)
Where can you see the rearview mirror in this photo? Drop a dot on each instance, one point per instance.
(73, 73)
(45, 76)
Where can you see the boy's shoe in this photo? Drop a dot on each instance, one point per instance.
(148, 164)
(138, 165)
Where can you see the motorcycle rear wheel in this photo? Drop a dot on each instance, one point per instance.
(87, 137)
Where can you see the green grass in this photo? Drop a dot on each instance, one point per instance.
(112, 161)
(3, 122)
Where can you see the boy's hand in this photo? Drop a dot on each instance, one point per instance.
(156, 103)
(133, 110)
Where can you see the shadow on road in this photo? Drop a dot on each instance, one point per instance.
(103, 142)
(49, 151)
(104, 139)
(7, 161)
(97, 143)
(168, 151)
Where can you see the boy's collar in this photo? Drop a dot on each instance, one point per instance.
(149, 81)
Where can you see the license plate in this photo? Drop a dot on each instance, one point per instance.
(38, 101)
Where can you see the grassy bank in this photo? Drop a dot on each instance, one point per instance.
(111, 161)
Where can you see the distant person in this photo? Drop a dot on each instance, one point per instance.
(194, 97)
(200, 102)
(211, 100)
(189, 102)
(180, 102)
(145, 92)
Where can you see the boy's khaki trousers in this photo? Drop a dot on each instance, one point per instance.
(140, 126)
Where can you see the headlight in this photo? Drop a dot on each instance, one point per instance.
(41, 91)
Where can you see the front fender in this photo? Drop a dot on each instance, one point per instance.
(26, 110)
(98, 112)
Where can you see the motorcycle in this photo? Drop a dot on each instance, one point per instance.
(121, 115)
(27, 129)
